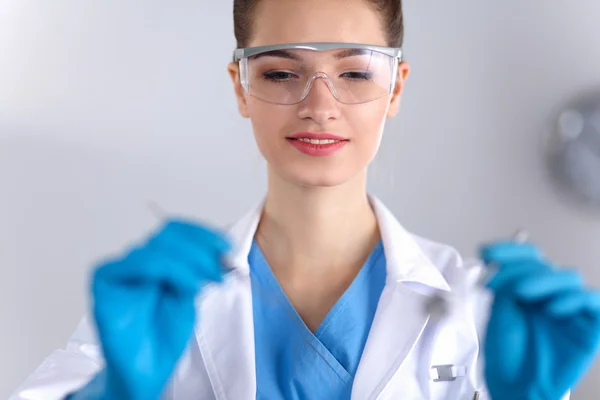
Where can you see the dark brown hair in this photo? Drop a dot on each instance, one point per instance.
(390, 11)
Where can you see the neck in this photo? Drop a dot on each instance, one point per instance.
(321, 229)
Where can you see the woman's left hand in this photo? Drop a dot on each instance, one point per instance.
(544, 327)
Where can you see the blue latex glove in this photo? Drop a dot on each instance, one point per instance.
(144, 309)
(544, 328)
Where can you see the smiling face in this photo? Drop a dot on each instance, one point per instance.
(345, 137)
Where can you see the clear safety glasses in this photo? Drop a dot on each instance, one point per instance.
(285, 74)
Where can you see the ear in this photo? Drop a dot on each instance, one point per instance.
(240, 94)
(403, 72)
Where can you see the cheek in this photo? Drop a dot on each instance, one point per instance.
(268, 121)
(367, 122)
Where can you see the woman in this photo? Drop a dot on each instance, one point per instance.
(319, 293)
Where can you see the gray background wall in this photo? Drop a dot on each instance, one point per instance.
(106, 105)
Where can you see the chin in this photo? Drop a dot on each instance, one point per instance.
(318, 179)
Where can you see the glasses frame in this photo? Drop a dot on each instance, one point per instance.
(242, 55)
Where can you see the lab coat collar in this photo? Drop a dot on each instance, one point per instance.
(225, 334)
(406, 261)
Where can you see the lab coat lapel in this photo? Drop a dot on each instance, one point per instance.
(225, 328)
(396, 328)
(400, 317)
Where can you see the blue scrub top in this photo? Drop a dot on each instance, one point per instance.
(292, 363)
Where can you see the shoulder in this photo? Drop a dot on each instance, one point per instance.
(450, 262)
(423, 260)
(464, 276)
(443, 256)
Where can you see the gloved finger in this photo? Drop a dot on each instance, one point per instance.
(510, 273)
(198, 234)
(113, 301)
(546, 284)
(573, 302)
(509, 252)
(196, 245)
(145, 266)
(505, 331)
(205, 261)
(587, 326)
(181, 316)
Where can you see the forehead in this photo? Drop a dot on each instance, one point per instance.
(300, 21)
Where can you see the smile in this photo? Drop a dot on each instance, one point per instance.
(317, 141)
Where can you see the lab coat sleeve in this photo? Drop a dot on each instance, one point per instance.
(65, 370)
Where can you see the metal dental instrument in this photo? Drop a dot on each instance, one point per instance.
(156, 210)
(440, 305)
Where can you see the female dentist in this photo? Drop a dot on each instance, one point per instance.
(319, 293)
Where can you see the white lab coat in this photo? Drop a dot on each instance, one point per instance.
(403, 345)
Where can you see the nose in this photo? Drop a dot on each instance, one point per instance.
(320, 105)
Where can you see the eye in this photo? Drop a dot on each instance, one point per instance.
(360, 76)
(278, 76)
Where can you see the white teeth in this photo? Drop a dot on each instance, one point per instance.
(317, 141)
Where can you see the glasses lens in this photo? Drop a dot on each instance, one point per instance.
(282, 76)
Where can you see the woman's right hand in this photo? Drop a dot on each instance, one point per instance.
(144, 306)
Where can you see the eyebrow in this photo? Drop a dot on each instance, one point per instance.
(345, 53)
(280, 54)
(351, 53)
